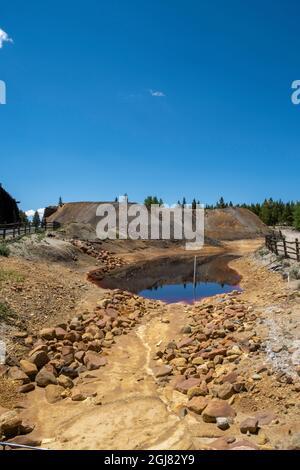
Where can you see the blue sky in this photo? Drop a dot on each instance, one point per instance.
(81, 122)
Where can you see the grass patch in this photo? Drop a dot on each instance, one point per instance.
(7, 315)
(4, 250)
(9, 275)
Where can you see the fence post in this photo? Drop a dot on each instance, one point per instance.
(297, 249)
(284, 248)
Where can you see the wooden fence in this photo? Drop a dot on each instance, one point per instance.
(11, 231)
(281, 247)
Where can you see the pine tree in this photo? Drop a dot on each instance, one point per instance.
(23, 218)
(60, 202)
(36, 221)
(296, 214)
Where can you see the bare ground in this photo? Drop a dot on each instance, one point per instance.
(131, 410)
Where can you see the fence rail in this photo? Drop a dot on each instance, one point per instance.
(11, 231)
(281, 247)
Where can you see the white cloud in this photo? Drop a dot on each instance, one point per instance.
(156, 93)
(31, 212)
(4, 38)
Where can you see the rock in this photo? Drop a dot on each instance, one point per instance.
(265, 417)
(67, 355)
(26, 428)
(249, 425)
(231, 377)
(69, 372)
(28, 341)
(185, 342)
(179, 362)
(199, 391)
(29, 368)
(217, 409)
(234, 351)
(225, 391)
(79, 355)
(198, 404)
(39, 358)
(223, 423)
(186, 330)
(26, 388)
(53, 393)
(18, 375)
(10, 423)
(256, 377)
(243, 445)
(60, 333)
(163, 371)
(26, 441)
(44, 378)
(3, 370)
(93, 361)
(47, 333)
(78, 395)
(198, 361)
(185, 385)
(65, 381)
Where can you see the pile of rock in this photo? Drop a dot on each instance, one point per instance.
(109, 261)
(204, 362)
(60, 354)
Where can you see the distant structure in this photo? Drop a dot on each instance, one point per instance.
(9, 211)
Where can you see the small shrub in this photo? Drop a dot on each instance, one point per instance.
(263, 251)
(295, 273)
(4, 250)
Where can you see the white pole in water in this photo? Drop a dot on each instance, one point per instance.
(195, 267)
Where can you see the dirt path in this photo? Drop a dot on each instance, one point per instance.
(132, 413)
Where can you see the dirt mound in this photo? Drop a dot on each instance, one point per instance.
(79, 219)
(233, 224)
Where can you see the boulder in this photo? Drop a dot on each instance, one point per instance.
(249, 425)
(10, 423)
(187, 384)
(65, 381)
(18, 375)
(26, 441)
(60, 333)
(198, 404)
(39, 358)
(223, 423)
(217, 409)
(29, 368)
(44, 378)
(47, 333)
(199, 391)
(26, 388)
(163, 371)
(225, 391)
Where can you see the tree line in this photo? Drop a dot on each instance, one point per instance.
(271, 212)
